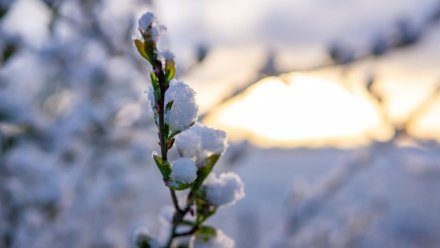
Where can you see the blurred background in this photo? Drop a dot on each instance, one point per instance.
(332, 109)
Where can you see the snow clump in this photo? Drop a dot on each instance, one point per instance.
(224, 190)
(149, 27)
(200, 142)
(184, 110)
(183, 170)
(146, 21)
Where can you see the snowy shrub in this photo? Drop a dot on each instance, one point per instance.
(175, 114)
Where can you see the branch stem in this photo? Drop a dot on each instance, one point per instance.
(178, 219)
(175, 201)
(179, 214)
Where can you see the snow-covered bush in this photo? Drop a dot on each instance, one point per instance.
(175, 114)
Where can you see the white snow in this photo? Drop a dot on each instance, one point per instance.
(213, 140)
(224, 190)
(184, 171)
(184, 111)
(200, 142)
(146, 22)
(189, 144)
(167, 55)
(151, 99)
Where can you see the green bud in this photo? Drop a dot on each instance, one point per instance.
(163, 166)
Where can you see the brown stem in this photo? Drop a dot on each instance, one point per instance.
(179, 214)
(175, 201)
(178, 219)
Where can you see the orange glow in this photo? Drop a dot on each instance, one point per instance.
(305, 110)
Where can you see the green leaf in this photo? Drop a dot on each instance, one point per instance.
(151, 51)
(204, 170)
(167, 131)
(141, 49)
(154, 82)
(156, 87)
(206, 232)
(170, 69)
(180, 186)
(163, 166)
(170, 143)
(204, 209)
(169, 106)
(144, 241)
(173, 134)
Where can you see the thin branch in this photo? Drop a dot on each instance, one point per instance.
(175, 201)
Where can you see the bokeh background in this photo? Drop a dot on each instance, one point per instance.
(332, 109)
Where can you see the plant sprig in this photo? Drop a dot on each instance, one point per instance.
(175, 111)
